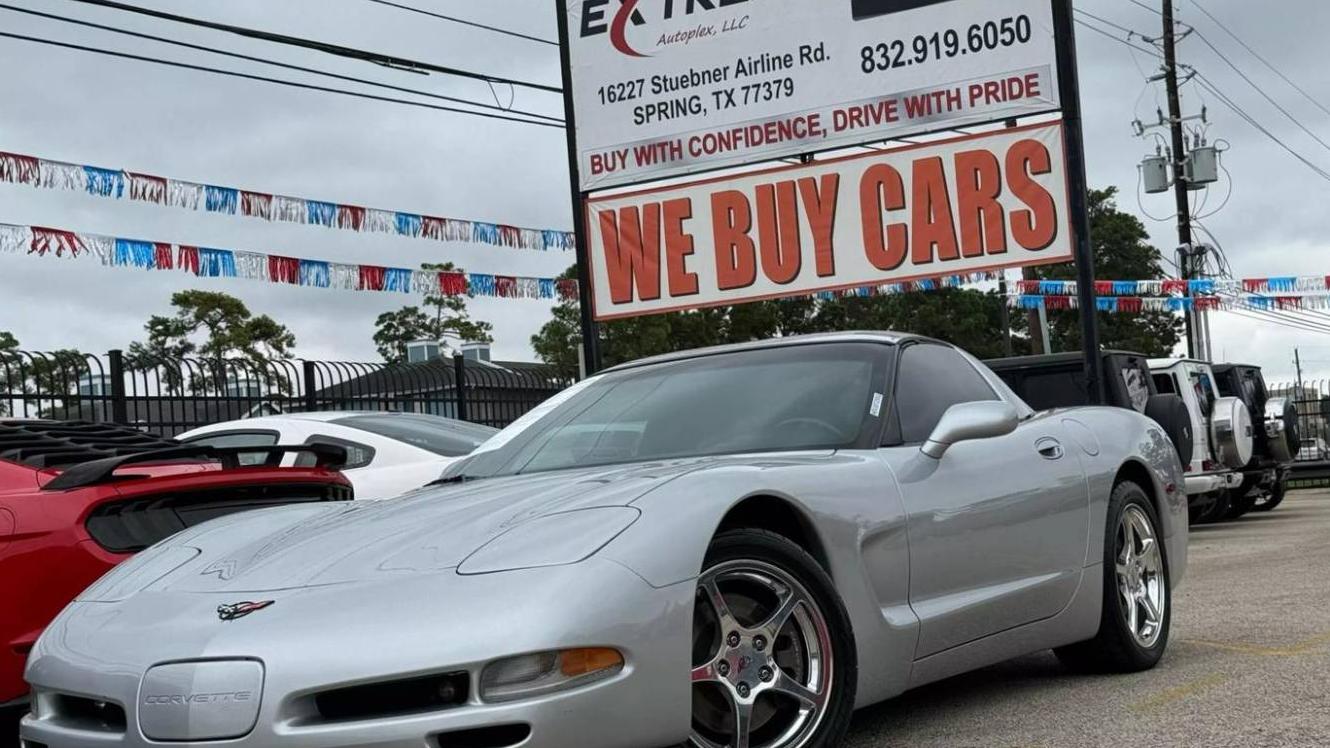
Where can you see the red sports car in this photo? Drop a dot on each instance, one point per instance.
(78, 498)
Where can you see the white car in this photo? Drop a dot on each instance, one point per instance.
(388, 454)
(1313, 449)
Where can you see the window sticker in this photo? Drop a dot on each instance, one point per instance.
(1137, 389)
(875, 409)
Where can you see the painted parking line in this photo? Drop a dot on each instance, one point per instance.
(1178, 693)
(1301, 648)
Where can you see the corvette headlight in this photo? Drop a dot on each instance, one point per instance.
(552, 540)
(537, 674)
(136, 574)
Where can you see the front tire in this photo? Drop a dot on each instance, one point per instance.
(1137, 612)
(774, 662)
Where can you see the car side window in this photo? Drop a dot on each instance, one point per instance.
(1205, 393)
(357, 455)
(1165, 384)
(932, 378)
(241, 439)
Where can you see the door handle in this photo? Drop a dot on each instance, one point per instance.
(1049, 449)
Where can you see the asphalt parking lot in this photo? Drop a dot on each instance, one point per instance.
(1248, 663)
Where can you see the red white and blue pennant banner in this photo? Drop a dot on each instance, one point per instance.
(1142, 304)
(1288, 284)
(227, 263)
(118, 184)
(210, 262)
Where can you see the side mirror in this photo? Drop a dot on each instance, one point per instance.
(969, 421)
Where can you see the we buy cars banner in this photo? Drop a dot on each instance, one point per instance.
(975, 203)
(662, 88)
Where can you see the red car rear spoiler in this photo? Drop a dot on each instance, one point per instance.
(326, 456)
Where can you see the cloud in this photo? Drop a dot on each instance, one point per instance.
(82, 108)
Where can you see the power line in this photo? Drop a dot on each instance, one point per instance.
(317, 46)
(1264, 61)
(465, 22)
(1290, 318)
(1275, 317)
(1129, 32)
(1275, 322)
(277, 81)
(1262, 92)
(1097, 30)
(265, 61)
(1206, 84)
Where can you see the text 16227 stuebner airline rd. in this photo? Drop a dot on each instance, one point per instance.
(667, 87)
(958, 206)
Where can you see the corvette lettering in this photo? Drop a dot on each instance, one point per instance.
(198, 698)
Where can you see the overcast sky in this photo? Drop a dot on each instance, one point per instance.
(76, 107)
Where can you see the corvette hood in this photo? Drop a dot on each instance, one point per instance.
(429, 530)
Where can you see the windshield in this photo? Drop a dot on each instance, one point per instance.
(442, 436)
(806, 397)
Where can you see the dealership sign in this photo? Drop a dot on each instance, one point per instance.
(669, 87)
(958, 206)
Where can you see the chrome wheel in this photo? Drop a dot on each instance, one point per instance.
(1142, 586)
(762, 659)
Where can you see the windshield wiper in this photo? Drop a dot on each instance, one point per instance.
(451, 479)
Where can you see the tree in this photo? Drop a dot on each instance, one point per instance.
(968, 318)
(1122, 252)
(8, 363)
(216, 326)
(49, 376)
(443, 315)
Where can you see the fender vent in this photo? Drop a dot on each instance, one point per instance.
(498, 736)
(88, 714)
(394, 698)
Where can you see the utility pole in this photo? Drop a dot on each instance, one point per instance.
(1179, 161)
(1004, 316)
(590, 361)
(1297, 361)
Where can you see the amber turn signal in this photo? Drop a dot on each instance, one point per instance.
(578, 662)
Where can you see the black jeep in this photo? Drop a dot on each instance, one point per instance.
(1058, 381)
(1275, 437)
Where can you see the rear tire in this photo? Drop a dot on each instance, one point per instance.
(771, 640)
(1277, 492)
(1218, 510)
(1240, 505)
(1137, 606)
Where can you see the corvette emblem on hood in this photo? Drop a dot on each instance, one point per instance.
(232, 611)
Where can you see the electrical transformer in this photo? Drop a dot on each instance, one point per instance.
(1202, 167)
(1154, 174)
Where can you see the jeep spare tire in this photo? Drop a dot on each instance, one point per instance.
(1231, 434)
(1281, 429)
(1170, 412)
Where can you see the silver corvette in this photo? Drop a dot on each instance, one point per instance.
(729, 547)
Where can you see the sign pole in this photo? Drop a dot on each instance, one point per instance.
(590, 330)
(1070, 89)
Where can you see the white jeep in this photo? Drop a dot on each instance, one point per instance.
(1221, 430)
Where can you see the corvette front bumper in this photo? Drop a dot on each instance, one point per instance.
(320, 639)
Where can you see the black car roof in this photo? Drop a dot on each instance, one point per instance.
(43, 444)
(1076, 357)
(884, 337)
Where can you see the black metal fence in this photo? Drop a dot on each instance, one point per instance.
(171, 397)
(1312, 400)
